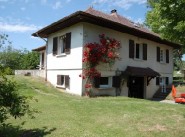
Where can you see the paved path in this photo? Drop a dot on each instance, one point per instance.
(168, 101)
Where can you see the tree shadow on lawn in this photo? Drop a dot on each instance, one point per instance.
(16, 131)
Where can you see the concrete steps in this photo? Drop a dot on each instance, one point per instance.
(160, 95)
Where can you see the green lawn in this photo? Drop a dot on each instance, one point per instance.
(64, 115)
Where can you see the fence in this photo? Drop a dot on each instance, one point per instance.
(40, 73)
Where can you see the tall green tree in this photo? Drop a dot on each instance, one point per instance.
(29, 60)
(16, 58)
(167, 18)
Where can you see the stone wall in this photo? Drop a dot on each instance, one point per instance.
(39, 73)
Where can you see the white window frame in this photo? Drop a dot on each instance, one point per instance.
(140, 51)
(61, 46)
(64, 83)
(162, 56)
(109, 84)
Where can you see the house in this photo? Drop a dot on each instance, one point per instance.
(146, 63)
(42, 56)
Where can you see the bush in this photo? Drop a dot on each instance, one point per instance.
(8, 71)
(11, 103)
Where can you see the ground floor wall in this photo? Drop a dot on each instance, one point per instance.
(75, 82)
(149, 87)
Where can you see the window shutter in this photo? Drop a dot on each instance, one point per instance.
(67, 81)
(68, 42)
(144, 51)
(116, 81)
(58, 79)
(167, 81)
(167, 56)
(158, 54)
(96, 82)
(131, 49)
(157, 80)
(55, 45)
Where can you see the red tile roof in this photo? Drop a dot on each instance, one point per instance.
(40, 48)
(113, 21)
(115, 17)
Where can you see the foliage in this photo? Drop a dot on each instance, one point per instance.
(11, 103)
(4, 40)
(106, 51)
(29, 60)
(166, 17)
(16, 58)
(6, 71)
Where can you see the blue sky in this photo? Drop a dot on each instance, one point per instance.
(20, 18)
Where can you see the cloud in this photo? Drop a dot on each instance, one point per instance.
(125, 4)
(23, 8)
(43, 1)
(139, 20)
(6, 27)
(67, 1)
(57, 5)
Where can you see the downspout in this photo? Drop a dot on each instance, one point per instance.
(46, 54)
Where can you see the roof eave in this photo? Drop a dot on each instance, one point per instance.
(81, 16)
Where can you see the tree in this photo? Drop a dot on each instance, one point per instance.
(29, 60)
(10, 57)
(16, 58)
(11, 102)
(167, 18)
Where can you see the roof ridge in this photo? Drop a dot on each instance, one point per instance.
(119, 19)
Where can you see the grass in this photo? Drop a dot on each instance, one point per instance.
(64, 115)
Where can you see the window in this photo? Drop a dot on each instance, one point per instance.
(162, 80)
(63, 81)
(62, 44)
(42, 60)
(162, 55)
(138, 50)
(107, 82)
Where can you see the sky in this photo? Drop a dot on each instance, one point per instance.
(20, 18)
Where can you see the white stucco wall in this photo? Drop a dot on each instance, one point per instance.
(69, 64)
(92, 31)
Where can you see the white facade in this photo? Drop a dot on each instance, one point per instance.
(71, 64)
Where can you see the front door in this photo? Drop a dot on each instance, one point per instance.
(136, 87)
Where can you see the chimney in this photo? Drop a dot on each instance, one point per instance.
(113, 11)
